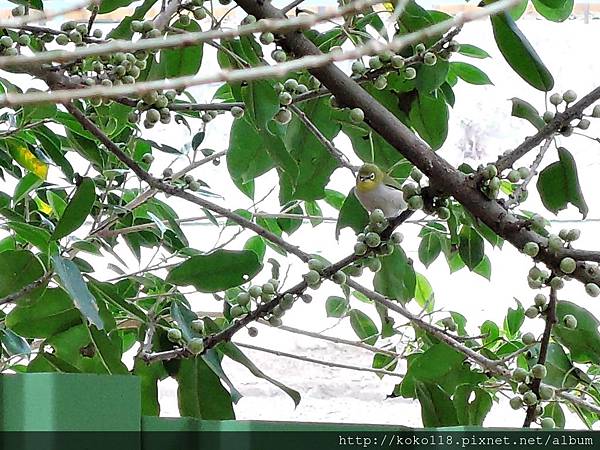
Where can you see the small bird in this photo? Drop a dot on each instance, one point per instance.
(377, 190)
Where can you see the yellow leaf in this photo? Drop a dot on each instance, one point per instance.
(27, 160)
(43, 206)
(389, 6)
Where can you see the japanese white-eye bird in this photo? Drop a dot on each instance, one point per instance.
(377, 190)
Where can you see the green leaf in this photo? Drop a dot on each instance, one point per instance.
(470, 73)
(484, 268)
(554, 411)
(13, 343)
(513, 320)
(396, 279)
(107, 6)
(491, 330)
(212, 358)
(77, 209)
(45, 316)
(216, 271)
(470, 247)
(19, 268)
(32, 113)
(336, 306)
(33, 235)
(525, 110)
(424, 295)
(519, 53)
(437, 410)
(429, 78)
(257, 245)
(560, 370)
(47, 362)
(473, 51)
(584, 341)
(262, 102)
(77, 289)
(334, 199)
(315, 163)
(471, 412)
(363, 326)
(179, 62)
(247, 157)
(558, 13)
(108, 351)
(429, 117)
(383, 361)
(558, 185)
(352, 214)
(232, 351)
(25, 185)
(429, 248)
(26, 158)
(149, 375)
(313, 210)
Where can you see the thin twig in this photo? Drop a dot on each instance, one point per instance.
(286, 9)
(318, 361)
(26, 289)
(333, 151)
(516, 196)
(45, 15)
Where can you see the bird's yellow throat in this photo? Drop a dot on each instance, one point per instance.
(366, 185)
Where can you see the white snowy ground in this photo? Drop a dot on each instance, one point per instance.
(483, 115)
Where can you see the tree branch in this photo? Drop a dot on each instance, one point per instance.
(26, 289)
(318, 361)
(545, 342)
(515, 197)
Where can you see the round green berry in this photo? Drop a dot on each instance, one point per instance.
(570, 321)
(290, 85)
(376, 215)
(569, 96)
(573, 235)
(415, 202)
(490, 172)
(312, 277)
(267, 38)
(592, 289)
(397, 62)
(429, 59)
(237, 112)
(548, 116)
(62, 39)
(268, 288)
(547, 423)
(420, 48)
(174, 334)
(358, 68)
(523, 387)
(236, 311)
(339, 277)
(243, 298)
(255, 291)
(516, 402)
(397, 237)
(252, 332)
(287, 301)
(283, 116)
(540, 300)
(583, 124)
(24, 40)
(557, 283)
(520, 374)
(372, 239)
(596, 111)
(285, 98)
(532, 312)
(196, 346)
(275, 321)
(410, 73)
(528, 339)
(279, 56)
(529, 398)
(316, 264)
(531, 249)
(380, 82)
(539, 371)
(357, 115)
(375, 62)
(360, 248)
(568, 265)
(556, 99)
(546, 392)
(514, 176)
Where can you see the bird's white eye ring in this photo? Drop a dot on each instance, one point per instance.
(372, 176)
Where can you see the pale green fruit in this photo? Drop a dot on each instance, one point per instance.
(243, 298)
(568, 265)
(252, 332)
(196, 346)
(237, 112)
(174, 334)
(528, 339)
(532, 312)
(531, 249)
(197, 326)
(592, 289)
(570, 321)
(316, 264)
(546, 392)
(520, 374)
(523, 387)
(236, 311)
(360, 248)
(255, 291)
(268, 288)
(312, 277)
(539, 371)
(516, 402)
(548, 423)
(275, 321)
(557, 283)
(357, 115)
(569, 96)
(529, 398)
(372, 239)
(514, 176)
(556, 99)
(539, 300)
